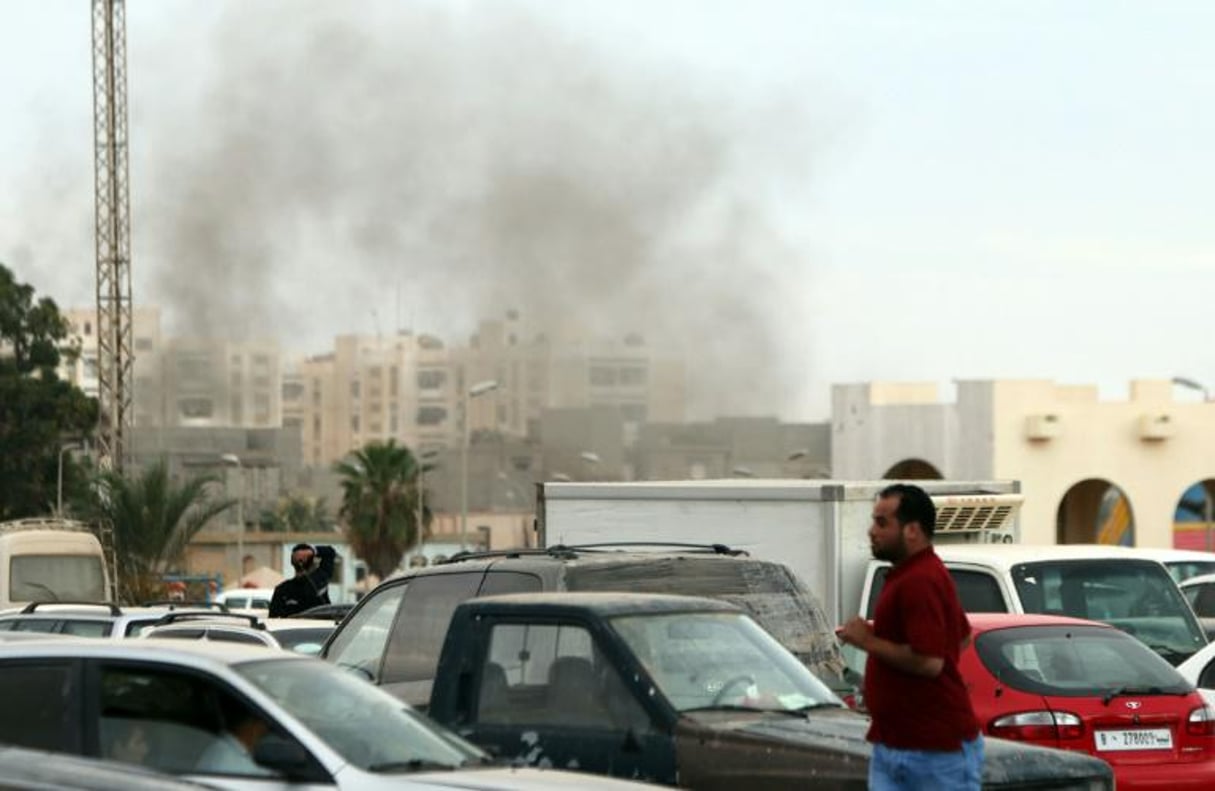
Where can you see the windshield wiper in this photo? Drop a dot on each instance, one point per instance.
(1126, 689)
(814, 706)
(798, 712)
(412, 765)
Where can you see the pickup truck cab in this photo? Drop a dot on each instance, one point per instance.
(1121, 586)
(677, 690)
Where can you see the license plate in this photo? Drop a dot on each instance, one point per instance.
(1138, 739)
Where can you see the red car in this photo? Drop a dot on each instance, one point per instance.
(1087, 686)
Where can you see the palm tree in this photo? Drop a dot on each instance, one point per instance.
(380, 504)
(297, 513)
(153, 519)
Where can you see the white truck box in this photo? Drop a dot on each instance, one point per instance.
(818, 528)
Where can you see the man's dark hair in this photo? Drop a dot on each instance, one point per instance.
(914, 506)
(298, 547)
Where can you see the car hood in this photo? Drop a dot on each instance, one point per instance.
(507, 778)
(1005, 763)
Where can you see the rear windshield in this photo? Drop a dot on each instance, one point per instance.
(1076, 661)
(768, 592)
(1137, 596)
(48, 578)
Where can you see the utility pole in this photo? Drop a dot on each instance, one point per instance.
(113, 229)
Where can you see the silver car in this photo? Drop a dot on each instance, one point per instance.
(238, 717)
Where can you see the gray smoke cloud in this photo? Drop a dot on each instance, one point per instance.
(337, 160)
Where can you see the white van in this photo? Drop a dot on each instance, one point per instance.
(1121, 586)
(50, 560)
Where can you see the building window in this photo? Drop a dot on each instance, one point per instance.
(394, 384)
(143, 344)
(431, 415)
(431, 379)
(354, 389)
(293, 391)
(633, 412)
(195, 407)
(603, 376)
(354, 423)
(632, 376)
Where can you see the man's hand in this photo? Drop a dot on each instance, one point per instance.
(856, 632)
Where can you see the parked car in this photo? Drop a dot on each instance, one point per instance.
(335, 612)
(677, 690)
(1199, 591)
(1183, 564)
(395, 633)
(1120, 586)
(293, 634)
(1087, 686)
(1199, 670)
(246, 598)
(164, 704)
(85, 619)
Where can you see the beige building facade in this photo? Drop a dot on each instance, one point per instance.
(1090, 470)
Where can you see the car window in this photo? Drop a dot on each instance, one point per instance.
(178, 634)
(1074, 661)
(1202, 599)
(41, 705)
(229, 636)
(417, 636)
(56, 578)
(553, 675)
(36, 625)
(978, 591)
(1137, 596)
(87, 628)
(497, 582)
(359, 643)
(136, 625)
(875, 589)
(1206, 679)
(179, 723)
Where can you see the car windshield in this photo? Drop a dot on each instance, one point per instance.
(49, 578)
(1139, 597)
(1076, 661)
(720, 660)
(365, 725)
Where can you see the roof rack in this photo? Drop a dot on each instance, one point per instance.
(113, 608)
(571, 551)
(174, 604)
(715, 549)
(204, 615)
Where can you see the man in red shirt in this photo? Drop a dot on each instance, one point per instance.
(924, 731)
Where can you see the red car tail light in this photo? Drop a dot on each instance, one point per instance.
(1201, 722)
(1037, 726)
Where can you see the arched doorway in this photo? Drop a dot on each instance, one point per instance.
(913, 470)
(1194, 517)
(1095, 511)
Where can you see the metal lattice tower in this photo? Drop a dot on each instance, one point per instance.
(113, 220)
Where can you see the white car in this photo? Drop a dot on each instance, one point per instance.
(175, 706)
(89, 620)
(246, 598)
(302, 635)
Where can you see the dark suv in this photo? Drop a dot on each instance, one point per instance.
(395, 634)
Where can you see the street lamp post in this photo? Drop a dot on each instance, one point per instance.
(422, 459)
(59, 484)
(479, 389)
(232, 458)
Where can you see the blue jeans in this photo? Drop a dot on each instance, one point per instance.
(891, 769)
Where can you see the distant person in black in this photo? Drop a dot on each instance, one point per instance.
(309, 587)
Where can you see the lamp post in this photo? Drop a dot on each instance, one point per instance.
(59, 484)
(422, 459)
(232, 458)
(479, 389)
(1192, 384)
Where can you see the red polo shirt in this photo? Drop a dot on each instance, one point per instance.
(918, 606)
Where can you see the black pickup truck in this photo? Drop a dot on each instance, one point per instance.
(678, 690)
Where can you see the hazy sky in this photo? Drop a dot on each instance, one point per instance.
(796, 193)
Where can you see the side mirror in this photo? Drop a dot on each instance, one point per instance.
(285, 756)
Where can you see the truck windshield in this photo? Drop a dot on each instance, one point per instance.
(48, 578)
(720, 660)
(1137, 596)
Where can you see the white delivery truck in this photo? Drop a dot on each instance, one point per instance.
(49, 560)
(818, 528)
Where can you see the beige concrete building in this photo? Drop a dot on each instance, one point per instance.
(1091, 470)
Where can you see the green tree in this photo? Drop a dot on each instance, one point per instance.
(297, 513)
(39, 412)
(380, 504)
(153, 518)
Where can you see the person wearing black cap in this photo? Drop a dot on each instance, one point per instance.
(309, 587)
